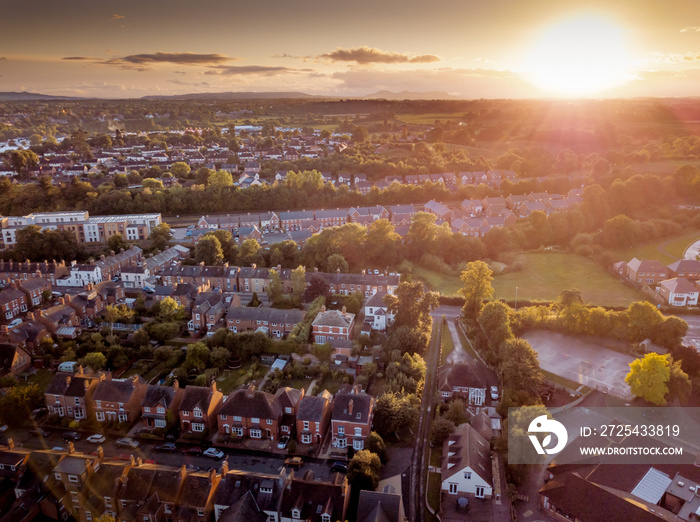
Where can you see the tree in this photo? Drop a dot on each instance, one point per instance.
(648, 378)
(318, 286)
(117, 314)
(521, 373)
(457, 412)
(643, 319)
(249, 253)
(219, 357)
(117, 243)
(197, 356)
(364, 470)
(375, 444)
(670, 332)
(274, 289)
(440, 429)
(412, 305)
(180, 169)
(219, 179)
(383, 246)
(395, 414)
(208, 250)
(298, 279)
(679, 385)
(337, 262)
(476, 279)
(153, 184)
(17, 404)
(495, 320)
(169, 309)
(161, 236)
(95, 360)
(405, 339)
(228, 245)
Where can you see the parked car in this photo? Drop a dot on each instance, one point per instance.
(192, 450)
(40, 432)
(126, 442)
(295, 462)
(284, 440)
(168, 447)
(97, 438)
(339, 467)
(213, 453)
(494, 393)
(71, 435)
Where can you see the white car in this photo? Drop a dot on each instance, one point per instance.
(213, 453)
(494, 393)
(126, 442)
(96, 439)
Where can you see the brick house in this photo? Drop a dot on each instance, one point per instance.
(279, 323)
(332, 324)
(250, 413)
(34, 288)
(196, 504)
(464, 380)
(199, 407)
(466, 464)
(310, 500)
(87, 304)
(351, 418)
(13, 359)
(70, 395)
(13, 302)
(650, 272)
(313, 418)
(208, 311)
(110, 292)
(679, 292)
(687, 268)
(56, 317)
(157, 402)
(119, 400)
(288, 401)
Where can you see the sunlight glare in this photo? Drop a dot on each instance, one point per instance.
(578, 56)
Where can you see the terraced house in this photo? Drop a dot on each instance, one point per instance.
(119, 400)
(70, 395)
(199, 407)
(250, 413)
(275, 322)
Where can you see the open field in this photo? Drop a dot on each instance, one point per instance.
(672, 250)
(445, 284)
(545, 275)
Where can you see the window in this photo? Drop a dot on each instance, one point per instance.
(255, 420)
(256, 434)
(468, 475)
(160, 423)
(453, 488)
(57, 476)
(197, 413)
(269, 421)
(200, 512)
(88, 515)
(223, 417)
(306, 425)
(358, 444)
(306, 439)
(160, 409)
(123, 417)
(100, 416)
(237, 418)
(479, 492)
(196, 426)
(108, 501)
(146, 409)
(358, 432)
(73, 479)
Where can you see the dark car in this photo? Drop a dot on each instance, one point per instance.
(40, 432)
(71, 435)
(192, 450)
(339, 467)
(168, 447)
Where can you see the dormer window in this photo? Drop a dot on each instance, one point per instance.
(288, 410)
(325, 517)
(296, 513)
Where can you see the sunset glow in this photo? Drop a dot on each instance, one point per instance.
(579, 57)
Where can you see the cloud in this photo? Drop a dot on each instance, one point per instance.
(690, 30)
(367, 55)
(689, 57)
(261, 70)
(195, 84)
(117, 17)
(180, 72)
(143, 62)
(77, 58)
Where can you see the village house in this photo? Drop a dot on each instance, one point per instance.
(377, 313)
(464, 380)
(265, 491)
(157, 402)
(277, 323)
(35, 288)
(466, 464)
(119, 400)
(70, 395)
(13, 302)
(678, 292)
(199, 407)
(309, 500)
(196, 504)
(649, 272)
(250, 413)
(351, 418)
(332, 324)
(313, 418)
(52, 271)
(687, 268)
(288, 401)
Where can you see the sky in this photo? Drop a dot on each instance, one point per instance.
(466, 48)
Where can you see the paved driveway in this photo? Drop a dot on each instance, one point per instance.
(582, 361)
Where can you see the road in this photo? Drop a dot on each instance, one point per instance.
(419, 465)
(237, 460)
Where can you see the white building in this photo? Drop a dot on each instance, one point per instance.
(81, 275)
(466, 464)
(679, 292)
(376, 312)
(135, 276)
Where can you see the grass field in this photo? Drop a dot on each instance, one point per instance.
(665, 251)
(445, 284)
(546, 274)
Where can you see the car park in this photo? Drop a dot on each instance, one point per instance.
(96, 439)
(339, 467)
(126, 442)
(213, 453)
(284, 440)
(168, 447)
(71, 435)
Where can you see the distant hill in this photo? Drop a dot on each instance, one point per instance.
(234, 96)
(30, 96)
(410, 95)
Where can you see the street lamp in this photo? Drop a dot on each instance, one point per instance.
(516, 298)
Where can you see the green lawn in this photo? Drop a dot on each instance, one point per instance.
(295, 383)
(546, 274)
(665, 251)
(330, 384)
(434, 490)
(229, 380)
(445, 284)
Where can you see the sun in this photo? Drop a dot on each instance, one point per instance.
(577, 57)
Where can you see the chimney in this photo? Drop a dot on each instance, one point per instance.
(337, 270)
(344, 311)
(254, 265)
(323, 309)
(61, 300)
(224, 468)
(68, 379)
(350, 407)
(135, 380)
(132, 461)
(183, 470)
(10, 443)
(176, 385)
(315, 270)
(139, 461)
(100, 451)
(363, 271)
(71, 447)
(30, 316)
(212, 476)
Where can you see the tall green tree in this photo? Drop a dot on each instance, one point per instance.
(208, 250)
(476, 280)
(161, 236)
(648, 378)
(298, 278)
(412, 305)
(364, 470)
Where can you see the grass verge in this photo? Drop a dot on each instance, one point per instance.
(447, 344)
(434, 492)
